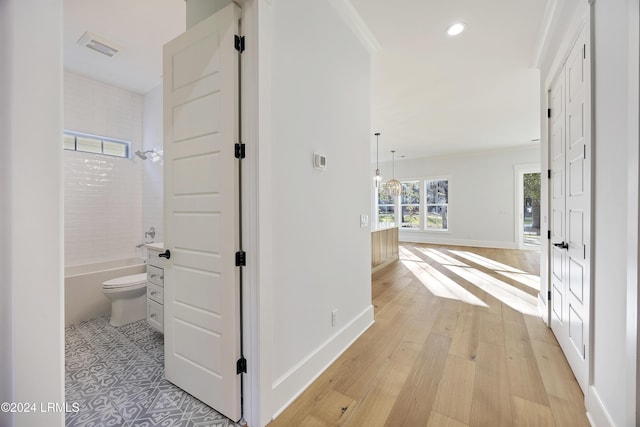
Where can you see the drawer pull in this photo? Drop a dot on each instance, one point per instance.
(153, 316)
(154, 293)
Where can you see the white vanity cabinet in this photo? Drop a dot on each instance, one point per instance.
(155, 286)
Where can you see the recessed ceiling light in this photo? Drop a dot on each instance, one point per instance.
(455, 29)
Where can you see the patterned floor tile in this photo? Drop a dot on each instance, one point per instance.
(98, 411)
(136, 405)
(210, 419)
(116, 376)
(158, 420)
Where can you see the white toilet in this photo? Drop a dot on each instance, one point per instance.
(128, 295)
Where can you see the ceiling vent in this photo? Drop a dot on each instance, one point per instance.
(98, 44)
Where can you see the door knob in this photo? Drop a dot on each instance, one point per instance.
(166, 254)
(563, 245)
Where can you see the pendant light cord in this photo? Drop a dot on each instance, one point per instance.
(378, 177)
(393, 164)
(377, 148)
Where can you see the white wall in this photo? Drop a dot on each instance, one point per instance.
(6, 357)
(320, 101)
(31, 196)
(611, 87)
(152, 139)
(482, 192)
(633, 217)
(103, 195)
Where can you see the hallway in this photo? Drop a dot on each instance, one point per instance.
(456, 342)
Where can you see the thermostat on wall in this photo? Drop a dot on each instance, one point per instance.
(319, 161)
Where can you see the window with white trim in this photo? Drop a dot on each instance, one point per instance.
(86, 143)
(437, 204)
(410, 205)
(386, 207)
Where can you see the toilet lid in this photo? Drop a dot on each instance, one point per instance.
(124, 281)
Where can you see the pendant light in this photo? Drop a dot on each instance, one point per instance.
(378, 177)
(393, 187)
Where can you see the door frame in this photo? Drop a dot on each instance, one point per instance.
(255, 77)
(519, 171)
(632, 390)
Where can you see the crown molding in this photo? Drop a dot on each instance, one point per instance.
(544, 33)
(353, 19)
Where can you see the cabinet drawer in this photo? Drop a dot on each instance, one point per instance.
(155, 293)
(153, 258)
(155, 275)
(155, 315)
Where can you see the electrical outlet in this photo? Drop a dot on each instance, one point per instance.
(364, 221)
(334, 317)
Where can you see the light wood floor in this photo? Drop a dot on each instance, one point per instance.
(450, 347)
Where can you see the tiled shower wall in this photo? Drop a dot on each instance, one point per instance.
(152, 197)
(103, 195)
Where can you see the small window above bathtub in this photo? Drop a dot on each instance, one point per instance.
(85, 143)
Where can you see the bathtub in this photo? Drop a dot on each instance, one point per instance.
(83, 298)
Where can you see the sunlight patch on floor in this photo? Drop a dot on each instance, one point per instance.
(406, 254)
(440, 257)
(530, 280)
(439, 284)
(507, 294)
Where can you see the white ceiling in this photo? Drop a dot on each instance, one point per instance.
(139, 27)
(432, 94)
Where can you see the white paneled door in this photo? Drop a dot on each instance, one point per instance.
(201, 311)
(570, 191)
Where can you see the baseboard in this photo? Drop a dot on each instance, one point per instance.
(543, 309)
(596, 412)
(384, 264)
(417, 237)
(289, 386)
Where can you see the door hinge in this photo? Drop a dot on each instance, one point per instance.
(549, 113)
(548, 234)
(241, 366)
(241, 259)
(238, 43)
(548, 295)
(240, 151)
(549, 173)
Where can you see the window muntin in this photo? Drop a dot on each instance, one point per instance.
(437, 204)
(410, 205)
(112, 148)
(386, 207)
(88, 145)
(69, 142)
(76, 141)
